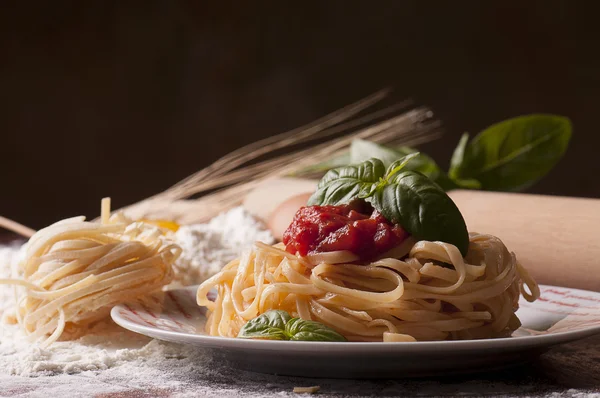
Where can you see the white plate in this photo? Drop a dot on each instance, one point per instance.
(559, 316)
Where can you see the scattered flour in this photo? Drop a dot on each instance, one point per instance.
(8, 257)
(208, 247)
(111, 362)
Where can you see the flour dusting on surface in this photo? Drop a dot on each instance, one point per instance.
(208, 247)
(111, 362)
(8, 258)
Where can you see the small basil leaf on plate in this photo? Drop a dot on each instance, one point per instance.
(513, 154)
(422, 208)
(300, 330)
(268, 326)
(344, 184)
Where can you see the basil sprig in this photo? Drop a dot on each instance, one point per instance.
(507, 156)
(362, 150)
(405, 197)
(513, 154)
(279, 325)
(342, 184)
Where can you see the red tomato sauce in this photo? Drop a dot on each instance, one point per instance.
(318, 229)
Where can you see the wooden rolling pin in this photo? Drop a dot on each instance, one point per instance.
(556, 238)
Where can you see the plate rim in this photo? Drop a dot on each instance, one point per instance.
(533, 341)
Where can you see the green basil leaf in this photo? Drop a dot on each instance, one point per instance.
(322, 167)
(422, 163)
(513, 154)
(301, 330)
(470, 183)
(361, 150)
(278, 325)
(399, 164)
(423, 209)
(268, 326)
(458, 156)
(343, 184)
(445, 182)
(427, 166)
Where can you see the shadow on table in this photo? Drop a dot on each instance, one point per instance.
(565, 369)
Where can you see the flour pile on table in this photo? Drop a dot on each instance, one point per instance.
(207, 248)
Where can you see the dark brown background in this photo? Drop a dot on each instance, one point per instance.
(125, 98)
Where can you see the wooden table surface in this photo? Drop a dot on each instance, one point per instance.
(568, 370)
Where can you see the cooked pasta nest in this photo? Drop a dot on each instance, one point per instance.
(424, 291)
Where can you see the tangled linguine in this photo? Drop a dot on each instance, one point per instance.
(74, 271)
(424, 291)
